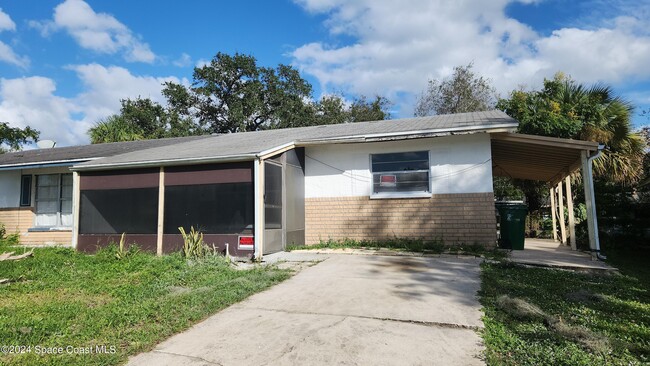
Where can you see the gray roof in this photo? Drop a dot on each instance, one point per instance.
(72, 154)
(246, 145)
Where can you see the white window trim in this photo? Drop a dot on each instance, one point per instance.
(58, 226)
(393, 195)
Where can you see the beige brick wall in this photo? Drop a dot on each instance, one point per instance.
(455, 218)
(21, 219)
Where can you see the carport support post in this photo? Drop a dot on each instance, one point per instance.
(560, 204)
(590, 200)
(76, 195)
(258, 184)
(552, 194)
(161, 212)
(569, 206)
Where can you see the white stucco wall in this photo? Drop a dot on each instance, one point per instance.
(9, 188)
(459, 164)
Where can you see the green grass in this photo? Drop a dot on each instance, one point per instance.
(64, 298)
(583, 318)
(406, 244)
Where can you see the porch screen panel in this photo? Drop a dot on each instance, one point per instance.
(225, 208)
(272, 196)
(116, 211)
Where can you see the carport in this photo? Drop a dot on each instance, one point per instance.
(551, 160)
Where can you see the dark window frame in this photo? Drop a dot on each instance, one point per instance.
(392, 168)
(26, 190)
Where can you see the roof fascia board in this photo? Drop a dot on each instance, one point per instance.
(409, 135)
(169, 162)
(44, 164)
(276, 150)
(547, 141)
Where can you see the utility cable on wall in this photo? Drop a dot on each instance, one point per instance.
(368, 180)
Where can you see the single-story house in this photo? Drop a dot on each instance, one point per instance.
(256, 192)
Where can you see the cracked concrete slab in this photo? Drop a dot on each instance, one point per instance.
(345, 310)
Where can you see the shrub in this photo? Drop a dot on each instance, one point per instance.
(123, 252)
(193, 245)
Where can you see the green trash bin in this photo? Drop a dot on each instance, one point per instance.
(512, 224)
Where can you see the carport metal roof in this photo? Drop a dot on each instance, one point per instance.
(540, 158)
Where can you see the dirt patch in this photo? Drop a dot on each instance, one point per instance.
(589, 339)
(178, 290)
(520, 308)
(585, 297)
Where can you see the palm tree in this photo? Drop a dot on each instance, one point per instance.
(113, 129)
(606, 119)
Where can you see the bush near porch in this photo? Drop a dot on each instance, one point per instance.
(536, 316)
(61, 298)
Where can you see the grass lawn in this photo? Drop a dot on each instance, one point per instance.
(536, 316)
(406, 244)
(62, 298)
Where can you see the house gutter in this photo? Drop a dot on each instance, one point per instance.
(45, 164)
(168, 162)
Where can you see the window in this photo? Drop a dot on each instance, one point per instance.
(400, 174)
(26, 190)
(54, 200)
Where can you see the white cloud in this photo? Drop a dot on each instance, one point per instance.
(184, 61)
(99, 32)
(33, 101)
(399, 44)
(7, 53)
(5, 22)
(106, 86)
(202, 62)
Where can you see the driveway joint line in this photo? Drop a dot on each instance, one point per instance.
(188, 356)
(416, 322)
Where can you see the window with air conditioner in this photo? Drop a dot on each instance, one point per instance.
(403, 174)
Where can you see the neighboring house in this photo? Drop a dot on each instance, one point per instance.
(428, 177)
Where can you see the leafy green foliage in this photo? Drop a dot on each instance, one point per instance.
(362, 109)
(6, 240)
(566, 109)
(193, 244)
(113, 129)
(122, 251)
(62, 297)
(539, 316)
(463, 92)
(234, 94)
(15, 137)
(141, 119)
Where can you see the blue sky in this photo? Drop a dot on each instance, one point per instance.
(66, 64)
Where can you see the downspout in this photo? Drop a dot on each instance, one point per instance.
(589, 167)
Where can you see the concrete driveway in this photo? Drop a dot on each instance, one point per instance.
(348, 310)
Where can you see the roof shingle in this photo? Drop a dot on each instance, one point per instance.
(251, 143)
